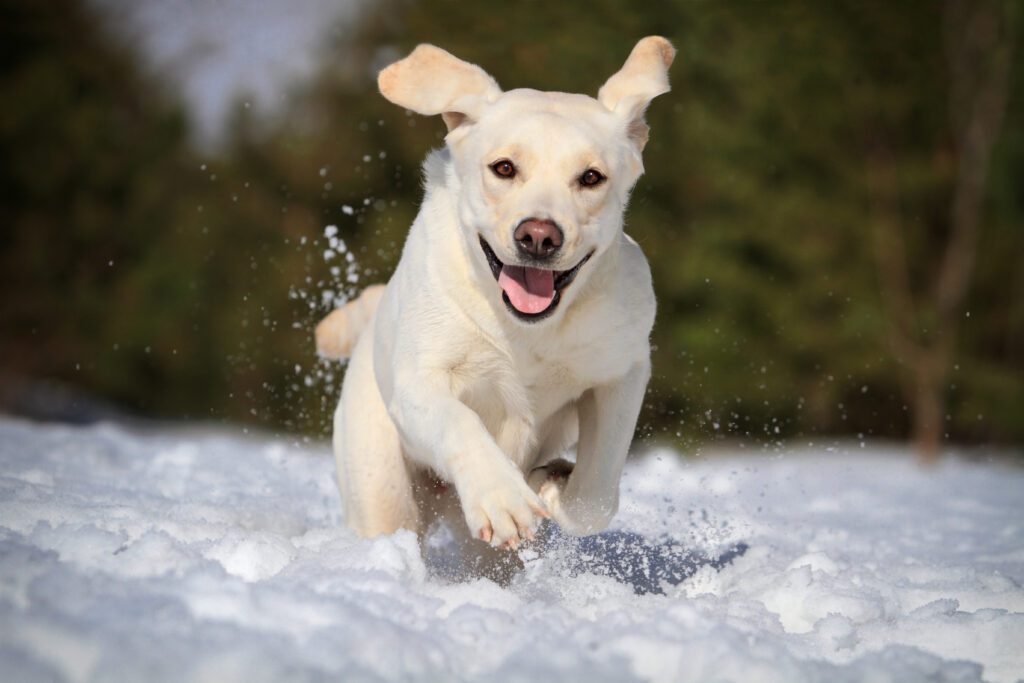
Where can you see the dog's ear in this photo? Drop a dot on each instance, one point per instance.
(643, 77)
(431, 81)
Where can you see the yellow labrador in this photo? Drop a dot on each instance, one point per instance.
(517, 322)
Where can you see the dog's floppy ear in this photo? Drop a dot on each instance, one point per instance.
(431, 81)
(643, 77)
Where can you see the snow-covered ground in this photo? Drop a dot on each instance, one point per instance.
(191, 556)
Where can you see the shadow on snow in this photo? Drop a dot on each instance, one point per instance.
(646, 565)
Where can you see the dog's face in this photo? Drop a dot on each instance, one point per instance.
(543, 181)
(543, 178)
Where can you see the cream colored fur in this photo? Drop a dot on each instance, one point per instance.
(443, 380)
(337, 334)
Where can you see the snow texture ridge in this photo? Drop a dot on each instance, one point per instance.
(210, 557)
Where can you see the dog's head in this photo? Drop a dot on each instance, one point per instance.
(542, 178)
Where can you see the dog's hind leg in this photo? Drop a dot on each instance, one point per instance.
(373, 475)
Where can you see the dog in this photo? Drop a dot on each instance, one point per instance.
(516, 325)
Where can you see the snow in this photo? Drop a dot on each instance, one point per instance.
(212, 556)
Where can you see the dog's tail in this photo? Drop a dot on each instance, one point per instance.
(337, 334)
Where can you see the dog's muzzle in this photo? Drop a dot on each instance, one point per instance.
(530, 293)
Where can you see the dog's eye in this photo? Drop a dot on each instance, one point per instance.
(504, 169)
(591, 178)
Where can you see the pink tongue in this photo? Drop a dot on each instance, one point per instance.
(530, 290)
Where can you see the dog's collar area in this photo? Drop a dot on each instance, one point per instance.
(562, 279)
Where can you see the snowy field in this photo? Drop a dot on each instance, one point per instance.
(215, 557)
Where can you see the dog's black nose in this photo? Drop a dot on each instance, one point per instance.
(538, 239)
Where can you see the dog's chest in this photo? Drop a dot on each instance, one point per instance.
(550, 383)
(524, 385)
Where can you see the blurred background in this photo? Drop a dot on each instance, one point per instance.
(833, 208)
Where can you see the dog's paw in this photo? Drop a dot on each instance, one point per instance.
(576, 517)
(549, 481)
(503, 511)
(553, 474)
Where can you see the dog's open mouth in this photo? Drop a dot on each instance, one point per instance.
(530, 293)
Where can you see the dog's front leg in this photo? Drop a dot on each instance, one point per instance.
(585, 501)
(444, 434)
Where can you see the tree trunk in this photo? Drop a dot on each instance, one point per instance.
(979, 45)
(928, 405)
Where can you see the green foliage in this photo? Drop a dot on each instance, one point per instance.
(88, 149)
(755, 211)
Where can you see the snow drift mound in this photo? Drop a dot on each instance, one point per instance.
(181, 556)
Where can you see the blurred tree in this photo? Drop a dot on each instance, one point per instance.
(90, 184)
(188, 284)
(923, 327)
(127, 264)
